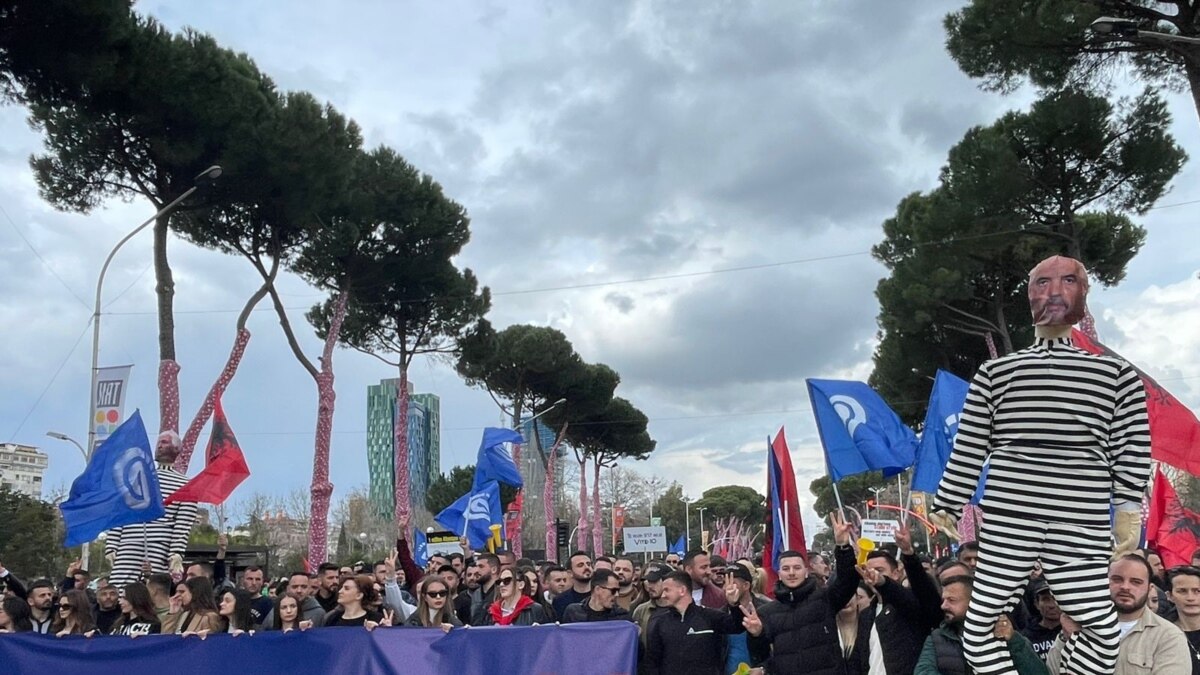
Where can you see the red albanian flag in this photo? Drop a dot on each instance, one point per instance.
(224, 470)
(1174, 431)
(1171, 529)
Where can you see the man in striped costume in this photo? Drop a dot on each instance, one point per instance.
(1068, 438)
(158, 541)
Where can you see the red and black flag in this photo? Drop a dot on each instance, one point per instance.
(224, 469)
(1174, 431)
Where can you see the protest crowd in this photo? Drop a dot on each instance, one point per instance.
(1052, 584)
(897, 612)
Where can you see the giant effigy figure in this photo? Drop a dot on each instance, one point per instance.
(153, 546)
(1068, 439)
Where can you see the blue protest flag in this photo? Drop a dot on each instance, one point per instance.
(420, 548)
(473, 514)
(859, 431)
(494, 463)
(118, 487)
(680, 547)
(941, 426)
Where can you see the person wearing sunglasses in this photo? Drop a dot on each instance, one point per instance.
(433, 607)
(513, 606)
(601, 605)
(74, 614)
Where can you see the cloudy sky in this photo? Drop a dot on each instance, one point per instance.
(687, 190)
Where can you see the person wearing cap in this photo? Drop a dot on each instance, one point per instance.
(739, 650)
(652, 583)
(1043, 633)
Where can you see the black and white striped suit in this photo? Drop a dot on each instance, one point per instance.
(154, 541)
(1068, 435)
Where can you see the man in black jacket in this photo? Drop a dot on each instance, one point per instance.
(601, 604)
(687, 638)
(801, 624)
(900, 617)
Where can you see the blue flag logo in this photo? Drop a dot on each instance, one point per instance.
(941, 427)
(473, 514)
(420, 548)
(494, 463)
(680, 547)
(858, 430)
(118, 487)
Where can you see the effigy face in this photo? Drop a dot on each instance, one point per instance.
(1058, 289)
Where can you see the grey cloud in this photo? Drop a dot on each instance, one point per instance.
(622, 302)
(768, 327)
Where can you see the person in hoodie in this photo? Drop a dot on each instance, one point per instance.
(801, 623)
(601, 605)
(689, 639)
(311, 612)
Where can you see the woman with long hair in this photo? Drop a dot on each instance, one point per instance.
(287, 614)
(137, 617)
(512, 606)
(355, 598)
(74, 614)
(434, 609)
(234, 609)
(15, 616)
(533, 587)
(193, 610)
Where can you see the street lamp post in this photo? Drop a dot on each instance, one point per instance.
(63, 437)
(687, 523)
(875, 491)
(702, 510)
(1114, 28)
(209, 174)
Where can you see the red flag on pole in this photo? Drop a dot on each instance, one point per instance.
(783, 509)
(224, 469)
(1171, 529)
(1174, 430)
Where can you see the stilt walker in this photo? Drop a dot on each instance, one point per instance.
(1068, 438)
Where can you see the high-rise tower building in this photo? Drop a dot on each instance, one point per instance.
(424, 444)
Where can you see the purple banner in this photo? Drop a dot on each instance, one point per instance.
(603, 648)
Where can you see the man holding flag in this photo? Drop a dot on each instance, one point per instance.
(132, 543)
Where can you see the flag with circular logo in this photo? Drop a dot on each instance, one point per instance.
(118, 487)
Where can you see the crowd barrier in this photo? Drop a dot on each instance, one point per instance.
(602, 648)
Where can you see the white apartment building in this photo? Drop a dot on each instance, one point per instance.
(21, 468)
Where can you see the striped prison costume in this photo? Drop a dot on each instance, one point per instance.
(1067, 434)
(154, 541)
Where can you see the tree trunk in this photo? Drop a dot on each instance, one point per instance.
(400, 443)
(597, 519)
(515, 543)
(548, 497)
(168, 369)
(1192, 71)
(318, 525)
(206, 409)
(581, 534)
(223, 380)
